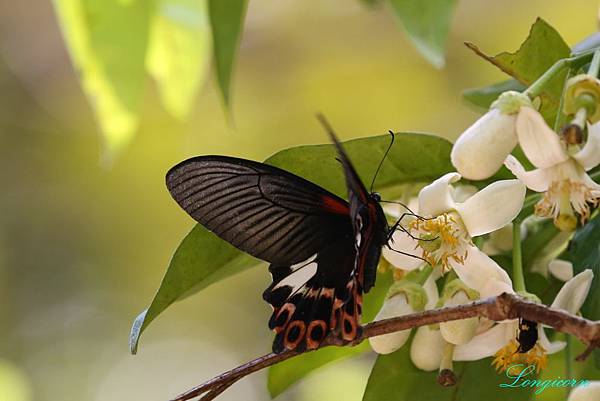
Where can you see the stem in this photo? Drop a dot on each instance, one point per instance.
(536, 88)
(558, 122)
(518, 279)
(595, 64)
(503, 307)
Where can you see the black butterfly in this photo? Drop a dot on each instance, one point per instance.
(323, 250)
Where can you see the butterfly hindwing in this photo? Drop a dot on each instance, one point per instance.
(315, 297)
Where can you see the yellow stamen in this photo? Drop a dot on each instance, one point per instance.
(563, 200)
(442, 239)
(508, 356)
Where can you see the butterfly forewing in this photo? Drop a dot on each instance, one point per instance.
(262, 210)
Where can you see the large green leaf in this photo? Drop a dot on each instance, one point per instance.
(585, 253)
(202, 258)
(227, 21)
(484, 96)
(414, 158)
(542, 48)
(107, 41)
(395, 378)
(179, 52)
(286, 373)
(427, 24)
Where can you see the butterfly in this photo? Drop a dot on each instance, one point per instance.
(323, 250)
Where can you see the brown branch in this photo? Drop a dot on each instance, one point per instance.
(503, 307)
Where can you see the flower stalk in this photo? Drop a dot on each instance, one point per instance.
(595, 64)
(518, 277)
(573, 62)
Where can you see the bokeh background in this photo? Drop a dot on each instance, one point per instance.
(83, 247)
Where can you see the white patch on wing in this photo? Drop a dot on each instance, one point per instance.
(302, 272)
(359, 226)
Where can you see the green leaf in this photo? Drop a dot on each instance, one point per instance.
(484, 96)
(200, 260)
(427, 24)
(585, 253)
(414, 158)
(179, 52)
(227, 21)
(107, 42)
(286, 373)
(395, 378)
(542, 48)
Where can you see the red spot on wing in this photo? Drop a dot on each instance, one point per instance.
(334, 205)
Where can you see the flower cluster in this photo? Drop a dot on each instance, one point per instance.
(455, 228)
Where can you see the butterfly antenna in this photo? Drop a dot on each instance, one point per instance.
(382, 160)
(325, 123)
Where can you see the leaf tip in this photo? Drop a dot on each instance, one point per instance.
(136, 331)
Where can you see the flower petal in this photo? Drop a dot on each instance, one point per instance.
(487, 343)
(482, 274)
(463, 192)
(550, 347)
(493, 207)
(436, 198)
(427, 348)
(431, 290)
(561, 269)
(479, 151)
(572, 295)
(392, 307)
(396, 210)
(537, 180)
(589, 156)
(588, 392)
(539, 142)
(402, 242)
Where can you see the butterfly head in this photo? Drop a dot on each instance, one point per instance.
(375, 196)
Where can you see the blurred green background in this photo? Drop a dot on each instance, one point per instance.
(83, 247)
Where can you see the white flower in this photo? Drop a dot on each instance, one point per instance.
(445, 231)
(480, 151)
(561, 176)
(499, 340)
(588, 392)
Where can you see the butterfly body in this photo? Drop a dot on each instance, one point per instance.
(323, 250)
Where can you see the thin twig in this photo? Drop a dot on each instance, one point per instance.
(503, 307)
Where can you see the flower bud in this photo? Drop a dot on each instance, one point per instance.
(588, 392)
(583, 91)
(480, 151)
